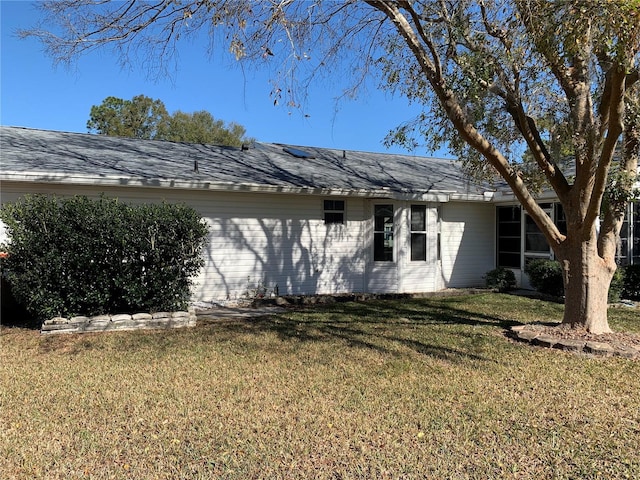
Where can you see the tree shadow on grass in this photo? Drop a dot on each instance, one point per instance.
(441, 330)
(384, 326)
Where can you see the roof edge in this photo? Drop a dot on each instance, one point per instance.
(196, 185)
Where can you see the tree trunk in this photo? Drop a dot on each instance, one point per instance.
(587, 278)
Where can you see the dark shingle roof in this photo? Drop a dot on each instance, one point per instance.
(41, 155)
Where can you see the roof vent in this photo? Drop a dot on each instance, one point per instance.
(298, 153)
(244, 147)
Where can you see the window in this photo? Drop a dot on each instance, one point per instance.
(509, 235)
(383, 233)
(635, 238)
(439, 241)
(296, 152)
(628, 251)
(559, 218)
(333, 212)
(622, 253)
(418, 233)
(534, 240)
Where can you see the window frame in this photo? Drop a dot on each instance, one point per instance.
(517, 220)
(634, 237)
(329, 209)
(418, 233)
(382, 237)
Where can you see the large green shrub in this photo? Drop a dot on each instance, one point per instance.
(545, 276)
(501, 279)
(77, 256)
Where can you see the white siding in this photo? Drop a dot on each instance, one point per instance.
(282, 240)
(468, 236)
(277, 239)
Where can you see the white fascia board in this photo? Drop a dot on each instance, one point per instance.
(116, 181)
(206, 185)
(435, 196)
(546, 196)
(472, 197)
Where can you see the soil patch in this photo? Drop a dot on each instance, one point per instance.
(578, 340)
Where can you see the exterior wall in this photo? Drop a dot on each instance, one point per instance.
(381, 277)
(418, 276)
(468, 243)
(281, 240)
(274, 239)
(402, 275)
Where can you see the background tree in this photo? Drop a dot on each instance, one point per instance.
(201, 127)
(144, 117)
(495, 77)
(140, 117)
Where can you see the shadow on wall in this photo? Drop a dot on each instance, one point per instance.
(468, 244)
(298, 256)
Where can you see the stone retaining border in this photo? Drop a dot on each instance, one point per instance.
(107, 323)
(524, 333)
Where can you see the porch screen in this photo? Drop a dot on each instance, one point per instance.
(383, 233)
(635, 248)
(622, 252)
(509, 235)
(534, 240)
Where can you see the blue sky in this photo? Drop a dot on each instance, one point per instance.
(37, 94)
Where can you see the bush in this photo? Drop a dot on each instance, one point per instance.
(617, 286)
(501, 279)
(631, 282)
(545, 276)
(77, 256)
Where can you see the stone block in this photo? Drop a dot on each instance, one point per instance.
(79, 319)
(281, 301)
(526, 335)
(570, 344)
(627, 351)
(160, 322)
(599, 348)
(545, 341)
(59, 328)
(57, 321)
(104, 323)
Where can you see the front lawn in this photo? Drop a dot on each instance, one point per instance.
(423, 388)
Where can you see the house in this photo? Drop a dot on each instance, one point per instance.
(301, 220)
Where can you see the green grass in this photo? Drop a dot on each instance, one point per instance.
(424, 388)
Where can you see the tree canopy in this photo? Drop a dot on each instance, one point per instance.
(143, 117)
(496, 78)
(140, 117)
